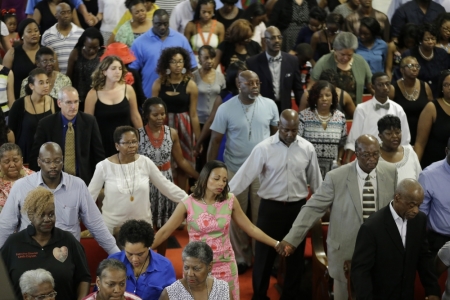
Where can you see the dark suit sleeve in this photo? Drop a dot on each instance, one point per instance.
(425, 267)
(297, 87)
(39, 139)
(362, 263)
(97, 150)
(397, 22)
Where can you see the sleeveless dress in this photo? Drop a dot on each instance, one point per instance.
(162, 207)
(412, 108)
(26, 138)
(437, 140)
(109, 117)
(178, 116)
(219, 291)
(211, 224)
(204, 38)
(21, 67)
(81, 78)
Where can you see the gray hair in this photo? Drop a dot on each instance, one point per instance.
(345, 40)
(110, 263)
(30, 280)
(66, 89)
(9, 147)
(199, 250)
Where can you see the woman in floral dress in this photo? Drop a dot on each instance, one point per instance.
(159, 142)
(208, 211)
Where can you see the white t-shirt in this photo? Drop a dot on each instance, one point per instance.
(258, 33)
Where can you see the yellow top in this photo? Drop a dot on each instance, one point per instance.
(127, 16)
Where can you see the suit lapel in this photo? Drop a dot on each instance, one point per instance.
(353, 188)
(78, 135)
(381, 193)
(57, 135)
(265, 68)
(283, 71)
(392, 229)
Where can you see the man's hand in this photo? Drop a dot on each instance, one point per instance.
(91, 20)
(284, 248)
(198, 149)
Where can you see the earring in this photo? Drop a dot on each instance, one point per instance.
(183, 71)
(168, 71)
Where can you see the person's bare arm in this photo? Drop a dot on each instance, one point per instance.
(89, 103)
(134, 111)
(189, 30)
(314, 40)
(192, 90)
(111, 39)
(220, 30)
(83, 290)
(390, 59)
(70, 64)
(37, 16)
(218, 58)
(241, 219)
(349, 105)
(273, 129)
(304, 101)
(11, 137)
(6, 45)
(206, 132)
(10, 89)
(348, 155)
(429, 92)
(174, 221)
(89, 18)
(75, 19)
(156, 87)
(392, 91)
(310, 83)
(164, 295)
(214, 144)
(9, 58)
(178, 155)
(426, 120)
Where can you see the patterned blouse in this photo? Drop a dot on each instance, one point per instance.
(326, 141)
(5, 186)
(219, 291)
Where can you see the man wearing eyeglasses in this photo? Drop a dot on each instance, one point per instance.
(278, 71)
(352, 193)
(367, 114)
(82, 144)
(72, 199)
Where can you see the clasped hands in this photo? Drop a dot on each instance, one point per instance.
(284, 248)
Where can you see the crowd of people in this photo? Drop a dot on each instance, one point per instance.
(134, 117)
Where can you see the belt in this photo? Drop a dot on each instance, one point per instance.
(285, 203)
(164, 167)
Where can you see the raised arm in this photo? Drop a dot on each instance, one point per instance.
(165, 186)
(175, 220)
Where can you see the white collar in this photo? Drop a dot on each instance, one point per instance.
(394, 213)
(363, 175)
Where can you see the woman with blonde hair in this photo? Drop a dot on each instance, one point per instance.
(112, 101)
(47, 247)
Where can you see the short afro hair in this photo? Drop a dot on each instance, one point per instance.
(136, 231)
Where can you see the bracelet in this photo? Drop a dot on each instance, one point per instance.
(276, 245)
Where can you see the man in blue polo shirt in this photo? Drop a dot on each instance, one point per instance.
(149, 46)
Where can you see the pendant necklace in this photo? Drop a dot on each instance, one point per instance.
(445, 102)
(245, 110)
(131, 191)
(137, 277)
(175, 88)
(415, 93)
(323, 120)
(207, 293)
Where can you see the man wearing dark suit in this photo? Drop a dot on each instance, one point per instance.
(278, 71)
(391, 246)
(343, 191)
(88, 144)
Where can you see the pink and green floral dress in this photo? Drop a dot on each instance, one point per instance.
(211, 224)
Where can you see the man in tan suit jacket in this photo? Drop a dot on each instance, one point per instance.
(342, 192)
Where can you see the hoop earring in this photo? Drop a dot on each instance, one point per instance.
(168, 71)
(183, 71)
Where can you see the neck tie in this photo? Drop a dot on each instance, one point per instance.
(275, 59)
(69, 153)
(385, 106)
(368, 199)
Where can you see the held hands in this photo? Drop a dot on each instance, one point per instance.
(198, 149)
(284, 248)
(91, 20)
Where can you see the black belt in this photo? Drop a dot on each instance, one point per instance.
(287, 203)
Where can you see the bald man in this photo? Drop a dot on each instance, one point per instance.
(72, 201)
(285, 164)
(391, 246)
(344, 190)
(278, 71)
(246, 120)
(63, 36)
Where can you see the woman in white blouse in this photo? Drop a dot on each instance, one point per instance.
(391, 150)
(125, 177)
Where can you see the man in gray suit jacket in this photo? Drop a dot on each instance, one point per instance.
(342, 190)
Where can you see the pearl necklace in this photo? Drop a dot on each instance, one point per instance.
(324, 120)
(426, 57)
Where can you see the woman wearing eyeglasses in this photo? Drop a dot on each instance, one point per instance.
(112, 101)
(432, 59)
(42, 245)
(433, 128)
(37, 284)
(175, 87)
(411, 93)
(442, 24)
(125, 177)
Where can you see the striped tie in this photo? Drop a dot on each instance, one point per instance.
(368, 199)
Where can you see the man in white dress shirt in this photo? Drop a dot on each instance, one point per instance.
(368, 113)
(181, 14)
(285, 163)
